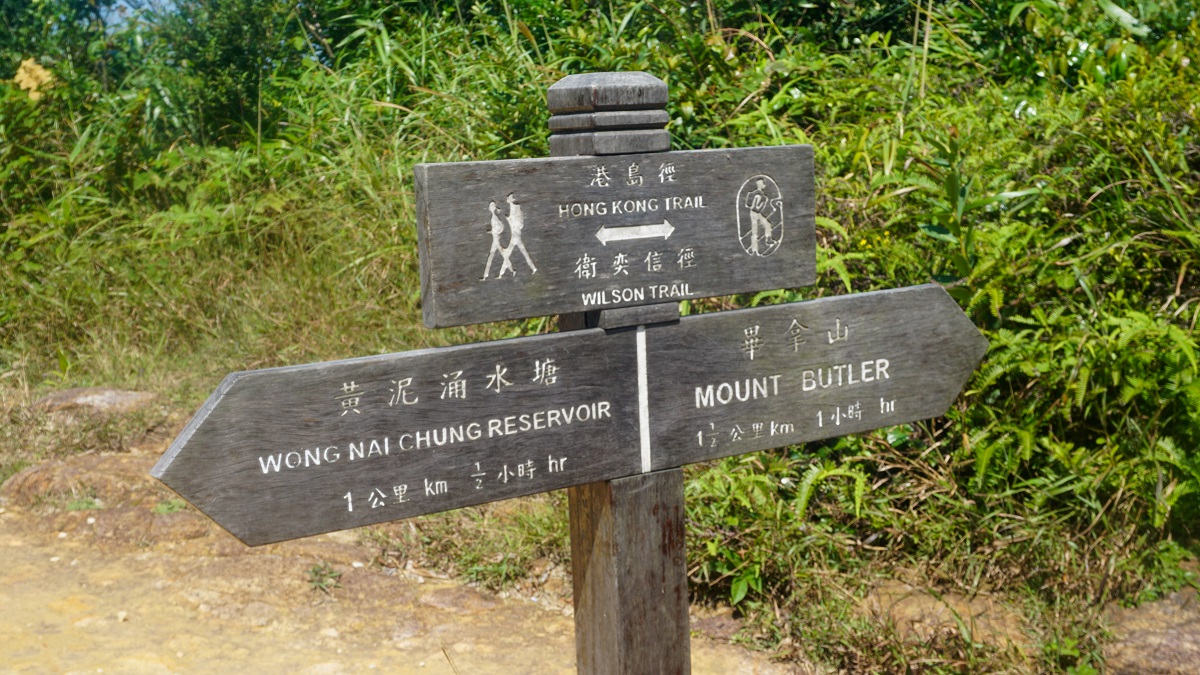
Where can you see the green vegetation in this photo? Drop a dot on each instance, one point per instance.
(228, 186)
(83, 504)
(324, 578)
(494, 545)
(169, 506)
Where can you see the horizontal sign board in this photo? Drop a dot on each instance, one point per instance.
(288, 452)
(512, 239)
(283, 453)
(734, 382)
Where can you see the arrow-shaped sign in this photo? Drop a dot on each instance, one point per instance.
(732, 382)
(626, 232)
(288, 452)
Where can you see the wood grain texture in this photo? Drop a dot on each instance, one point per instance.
(645, 315)
(627, 535)
(604, 232)
(733, 382)
(609, 121)
(610, 142)
(629, 567)
(589, 92)
(273, 453)
(249, 458)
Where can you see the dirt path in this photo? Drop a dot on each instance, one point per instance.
(127, 588)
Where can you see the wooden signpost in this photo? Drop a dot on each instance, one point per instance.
(610, 411)
(590, 233)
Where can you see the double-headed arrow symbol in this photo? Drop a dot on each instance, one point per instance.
(606, 234)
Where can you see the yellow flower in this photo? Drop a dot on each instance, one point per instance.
(33, 78)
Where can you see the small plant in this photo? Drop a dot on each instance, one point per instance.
(952, 202)
(322, 577)
(169, 506)
(83, 504)
(81, 498)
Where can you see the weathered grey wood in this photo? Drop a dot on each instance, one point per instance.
(588, 92)
(604, 232)
(273, 452)
(732, 382)
(611, 142)
(901, 355)
(629, 565)
(645, 315)
(609, 121)
(627, 535)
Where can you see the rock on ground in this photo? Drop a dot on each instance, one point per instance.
(95, 399)
(1156, 638)
(921, 614)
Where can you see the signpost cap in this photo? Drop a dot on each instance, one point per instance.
(593, 92)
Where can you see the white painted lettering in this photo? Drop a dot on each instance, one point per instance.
(270, 463)
(750, 389)
(881, 366)
(579, 209)
(844, 374)
(760, 387)
(866, 370)
(423, 439)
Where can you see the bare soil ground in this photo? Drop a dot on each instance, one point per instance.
(100, 574)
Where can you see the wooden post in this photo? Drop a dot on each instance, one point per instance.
(629, 563)
(628, 551)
